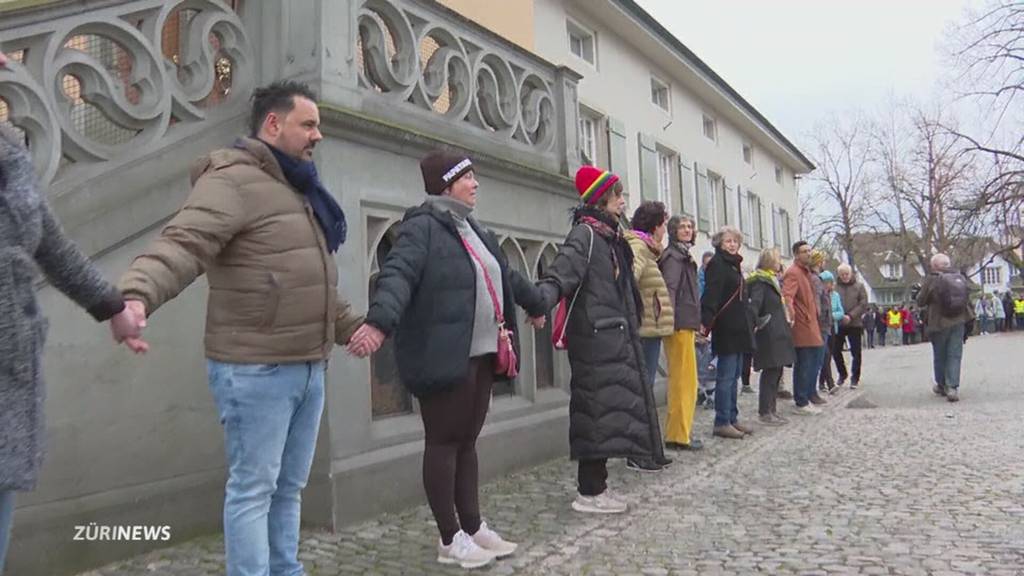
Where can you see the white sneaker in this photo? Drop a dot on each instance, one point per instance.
(600, 504)
(464, 552)
(490, 541)
(808, 410)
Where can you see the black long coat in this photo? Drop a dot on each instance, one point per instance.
(732, 332)
(612, 411)
(774, 342)
(426, 290)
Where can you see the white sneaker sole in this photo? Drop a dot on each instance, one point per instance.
(464, 564)
(595, 510)
(500, 555)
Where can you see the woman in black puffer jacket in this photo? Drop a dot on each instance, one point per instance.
(723, 313)
(436, 292)
(612, 413)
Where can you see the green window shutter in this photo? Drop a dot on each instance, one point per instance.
(687, 202)
(648, 167)
(721, 203)
(762, 230)
(755, 221)
(743, 202)
(787, 246)
(617, 154)
(704, 205)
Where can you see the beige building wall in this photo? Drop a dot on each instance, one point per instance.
(511, 19)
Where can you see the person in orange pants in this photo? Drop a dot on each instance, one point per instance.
(680, 272)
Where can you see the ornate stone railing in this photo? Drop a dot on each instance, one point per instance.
(420, 60)
(87, 86)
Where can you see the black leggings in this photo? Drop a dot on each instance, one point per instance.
(452, 420)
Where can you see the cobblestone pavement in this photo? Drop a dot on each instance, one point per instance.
(889, 480)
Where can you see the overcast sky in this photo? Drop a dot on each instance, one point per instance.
(797, 60)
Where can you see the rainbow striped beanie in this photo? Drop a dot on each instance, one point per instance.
(592, 183)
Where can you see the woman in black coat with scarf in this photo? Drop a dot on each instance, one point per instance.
(612, 412)
(724, 314)
(774, 340)
(444, 290)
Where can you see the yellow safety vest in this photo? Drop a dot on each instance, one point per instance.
(895, 320)
(1018, 307)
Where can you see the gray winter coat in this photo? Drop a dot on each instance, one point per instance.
(774, 341)
(680, 272)
(31, 238)
(612, 411)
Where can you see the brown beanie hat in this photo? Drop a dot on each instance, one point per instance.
(441, 168)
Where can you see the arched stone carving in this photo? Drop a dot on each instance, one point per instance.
(112, 65)
(411, 57)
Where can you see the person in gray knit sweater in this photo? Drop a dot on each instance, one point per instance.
(31, 239)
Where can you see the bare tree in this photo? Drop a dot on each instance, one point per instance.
(929, 194)
(987, 55)
(837, 204)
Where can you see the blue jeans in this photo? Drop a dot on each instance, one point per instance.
(652, 352)
(805, 373)
(6, 519)
(947, 351)
(271, 417)
(729, 367)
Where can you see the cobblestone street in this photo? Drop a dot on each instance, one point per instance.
(889, 480)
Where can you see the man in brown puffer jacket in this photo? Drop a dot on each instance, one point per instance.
(262, 227)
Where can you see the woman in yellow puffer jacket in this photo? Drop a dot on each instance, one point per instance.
(646, 239)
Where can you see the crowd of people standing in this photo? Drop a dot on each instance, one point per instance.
(262, 227)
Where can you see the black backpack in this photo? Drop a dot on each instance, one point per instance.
(952, 291)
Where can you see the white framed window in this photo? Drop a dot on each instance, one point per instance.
(748, 153)
(665, 163)
(893, 270)
(593, 137)
(710, 128)
(778, 173)
(588, 138)
(582, 42)
(660, 94)
(992, 275)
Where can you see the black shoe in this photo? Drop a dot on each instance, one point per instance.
(842, 381)
(854, 384)
(747, 389)
(643, 465)
(695, 444)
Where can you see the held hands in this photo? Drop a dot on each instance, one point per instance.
(845, 320)
(126, 326)
(365, 341)
(538, 322)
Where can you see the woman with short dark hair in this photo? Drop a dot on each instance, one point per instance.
(645, 239)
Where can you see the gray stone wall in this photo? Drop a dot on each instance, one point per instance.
(137, 440)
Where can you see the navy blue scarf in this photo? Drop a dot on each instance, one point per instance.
(302, 175)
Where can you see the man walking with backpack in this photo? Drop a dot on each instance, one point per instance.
(945, 294)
